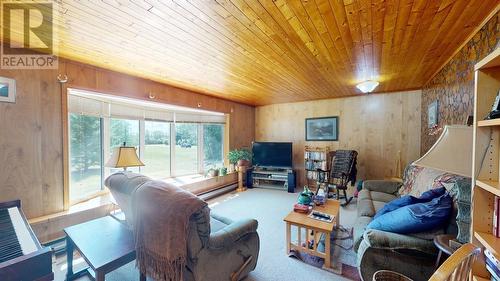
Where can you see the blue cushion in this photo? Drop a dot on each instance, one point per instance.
(415, 218)
(396, 204)
(409, 200)
(431, 194)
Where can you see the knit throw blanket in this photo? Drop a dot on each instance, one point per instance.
(162, 213)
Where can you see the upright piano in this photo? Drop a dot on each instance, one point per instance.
(22, 258)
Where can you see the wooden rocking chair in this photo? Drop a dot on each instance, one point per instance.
(343, 170)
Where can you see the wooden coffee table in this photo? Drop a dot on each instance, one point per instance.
(301, 221)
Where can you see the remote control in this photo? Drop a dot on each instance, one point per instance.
(321, 215)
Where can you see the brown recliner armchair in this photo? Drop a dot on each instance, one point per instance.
(218, 248)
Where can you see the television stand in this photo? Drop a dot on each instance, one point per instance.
(281, 179)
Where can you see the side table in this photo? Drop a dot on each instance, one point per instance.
(104, 243)
(442, 242)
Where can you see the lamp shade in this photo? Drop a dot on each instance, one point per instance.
(123, 157)
(452, 152)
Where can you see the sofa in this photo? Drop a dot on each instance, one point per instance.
(413, 255)
(217, 246)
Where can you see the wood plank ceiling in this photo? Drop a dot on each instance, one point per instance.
(262, 52)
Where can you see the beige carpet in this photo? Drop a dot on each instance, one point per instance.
(269, 207)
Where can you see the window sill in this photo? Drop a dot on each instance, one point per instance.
(50, 227)
(199, 184)
(96, 202)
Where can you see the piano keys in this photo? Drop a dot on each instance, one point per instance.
(22, 258)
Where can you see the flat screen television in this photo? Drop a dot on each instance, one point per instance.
(272, 154)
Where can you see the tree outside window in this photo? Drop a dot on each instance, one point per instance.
(213, 135)
(85, 155)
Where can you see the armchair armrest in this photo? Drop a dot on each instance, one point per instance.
(385, 186)
(393, 241)
(232, 233)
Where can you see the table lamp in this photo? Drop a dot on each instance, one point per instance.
(452, 153)
(124, 157)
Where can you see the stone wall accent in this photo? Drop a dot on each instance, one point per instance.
(453, 85)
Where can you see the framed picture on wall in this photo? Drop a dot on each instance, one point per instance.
(7, 90)
(322, 129)
(432, 114)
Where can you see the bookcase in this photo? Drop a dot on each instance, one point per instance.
(317, 161)
(486, 170)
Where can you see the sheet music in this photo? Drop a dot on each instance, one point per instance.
(23, 236)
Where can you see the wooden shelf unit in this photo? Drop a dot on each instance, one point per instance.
(486, 166)
(490, 186)
(281, 179)
(488, 123)
(489, 242)
(316, 157)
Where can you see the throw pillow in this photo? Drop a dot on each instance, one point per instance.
(432, 193)
(416, 217)
(396, 204)
(409, 200)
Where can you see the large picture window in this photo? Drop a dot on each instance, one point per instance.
(124, 131)
(85, 155)
(213, 151)
(156, 156)
(169, 143)
(186, 149)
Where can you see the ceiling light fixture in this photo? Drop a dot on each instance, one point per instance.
(367, 86)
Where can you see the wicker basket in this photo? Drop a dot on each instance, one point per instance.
(387, 275)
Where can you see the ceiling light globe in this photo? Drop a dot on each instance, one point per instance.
(367, 86)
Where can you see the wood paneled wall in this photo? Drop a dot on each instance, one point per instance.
(31, 143)
(31, 138)
(377, 126)
(453, 85)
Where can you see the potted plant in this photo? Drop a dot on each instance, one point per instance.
(212, 172)
(222, 171)
(240, 157)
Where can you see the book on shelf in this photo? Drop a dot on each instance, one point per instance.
(313, 165)
(496, 217)
(315, 155)
(492, 265)
(494, 262)
(317, 176)
(494, 273)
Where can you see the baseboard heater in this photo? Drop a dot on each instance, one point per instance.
(219, 191)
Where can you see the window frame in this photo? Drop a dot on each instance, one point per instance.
(105, 134)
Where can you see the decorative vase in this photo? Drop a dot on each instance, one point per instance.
(305, 197)
(231, 168)
(213, 173)
(222, 171)
(243, 163)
